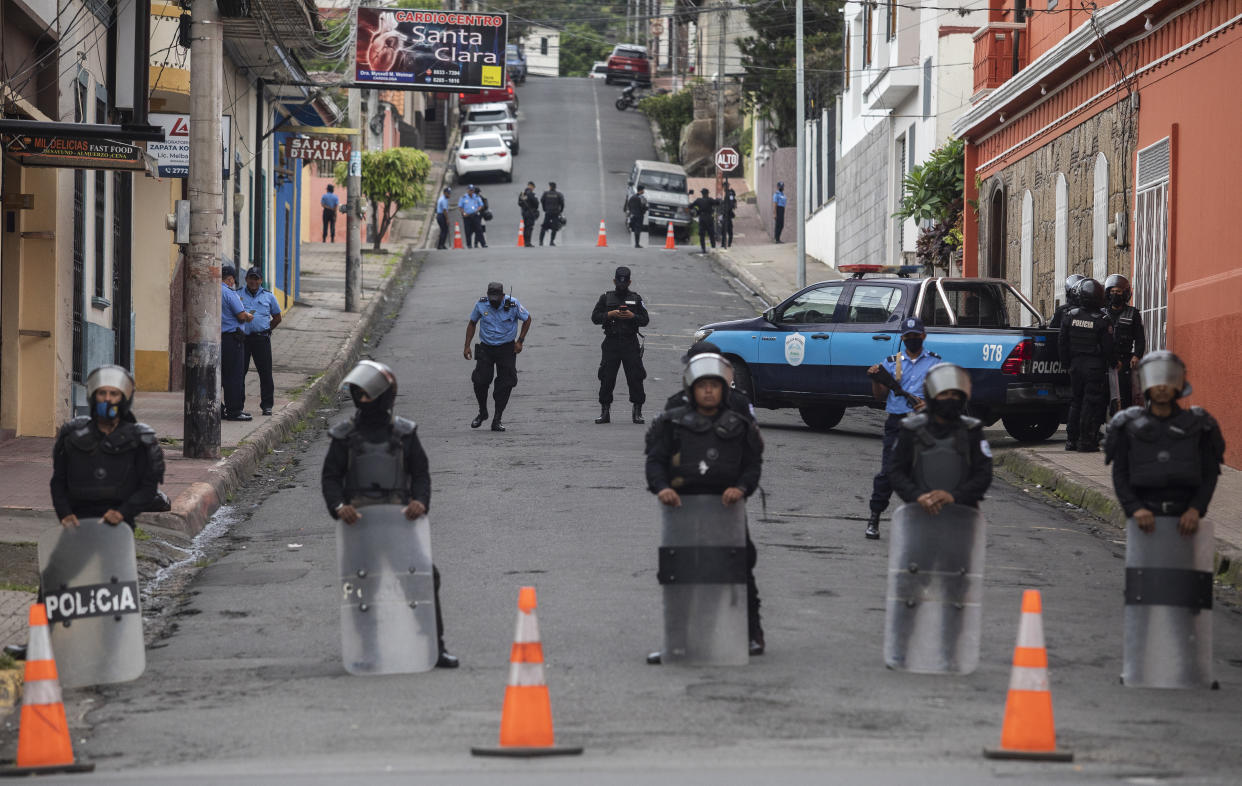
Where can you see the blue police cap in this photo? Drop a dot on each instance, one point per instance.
(912, 325)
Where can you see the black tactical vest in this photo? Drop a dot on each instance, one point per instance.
(940, 462)
(621, 327)
(1086, 330)
(102, 467)
(1123, 331)
(377, 473)
(1165, 453)
(709, 455)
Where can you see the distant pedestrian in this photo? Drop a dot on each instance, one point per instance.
(621, 313)
(528, 203)
(232, 345)
(553, 204)
(496, 353)
(265, 313)
(778, 211)
(636, 207)
(331, 204)
(728, 209)
(442, 208)
(471, 207)
(705, 208)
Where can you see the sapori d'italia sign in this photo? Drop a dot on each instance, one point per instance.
(430, 49)
(319, 149)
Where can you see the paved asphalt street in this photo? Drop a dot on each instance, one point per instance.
(251, 680)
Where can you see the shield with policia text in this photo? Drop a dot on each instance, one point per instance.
(388, 613)
(935, 590)
(703, 572)
(1168, 616)
(90, 584)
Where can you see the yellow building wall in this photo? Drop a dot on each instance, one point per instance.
(155, 261)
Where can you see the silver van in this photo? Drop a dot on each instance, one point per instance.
(667, 198)
(491, 118)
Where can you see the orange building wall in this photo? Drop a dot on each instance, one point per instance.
(1048, 28)
(1205, 280)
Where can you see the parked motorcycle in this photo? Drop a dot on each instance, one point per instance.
(631, 95)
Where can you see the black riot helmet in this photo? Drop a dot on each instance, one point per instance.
(1117, 281)
(1162, 367)
(1090, 293)
(1071, 283)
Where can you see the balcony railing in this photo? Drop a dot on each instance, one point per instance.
(1001, 50)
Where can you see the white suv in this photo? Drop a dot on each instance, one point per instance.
(491, 118)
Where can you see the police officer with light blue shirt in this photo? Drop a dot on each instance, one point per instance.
(442, 206)
(232, 345)
(263, 307)
(471, 206)
(778, 211)
(497, 316)
(908, 369)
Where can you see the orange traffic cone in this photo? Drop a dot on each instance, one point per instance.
(43, 743)
(526, 720)
(669, 243)
(603, 236)
(1028, 731)
(457, 235)
(521, 233)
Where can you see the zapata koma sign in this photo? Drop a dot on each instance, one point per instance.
(431, 49)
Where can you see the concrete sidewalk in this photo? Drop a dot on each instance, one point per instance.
(1082, 479)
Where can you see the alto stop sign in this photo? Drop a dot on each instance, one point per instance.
(727, 159)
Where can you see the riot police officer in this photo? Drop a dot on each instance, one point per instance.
(941, 457)
(528, 203)
(1129, 338)
(1165, 458)
(636, 209)
(376, 459)
(553, 204)
(735, 400)
(1085, 345)
(707, 448)
(622, 314)
(1071, 299)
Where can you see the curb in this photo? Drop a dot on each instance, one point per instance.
(745, 277)
(193, 508)
(1026, 466)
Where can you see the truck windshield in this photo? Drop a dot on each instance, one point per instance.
(663, 181)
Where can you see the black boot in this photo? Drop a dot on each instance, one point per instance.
(604, 416)
(447, 660)
(873, 526)
(479, 418)
(638, 414)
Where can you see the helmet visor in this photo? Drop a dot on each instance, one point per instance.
(708, 364)
(110, 377)
(946, 376)
(373, 378)
(1162, 371)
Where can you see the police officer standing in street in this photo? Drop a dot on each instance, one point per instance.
(442, 208)
(778, 212)
(553, 204)
(265, 313)
(528, 203)
(1129, 337)
(728, 209)
(1085, 345)
(704, 208)
(496, 353)
(1166, 458)
(1071, 299)
(636, 208)
(907, 370)
(708, 448)
(233, 315)
(622, 314)
(941, 457)
(376, 459)
(471, 206)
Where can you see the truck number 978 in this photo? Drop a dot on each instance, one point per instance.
(993, 353)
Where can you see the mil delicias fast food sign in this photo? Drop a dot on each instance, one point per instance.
(431, 50)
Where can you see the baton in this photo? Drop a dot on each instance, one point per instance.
(885, 378)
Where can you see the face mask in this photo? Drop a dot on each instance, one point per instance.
(1117, 299)
(106, 410)
(913, 343)
(494, 303)
(947, 408)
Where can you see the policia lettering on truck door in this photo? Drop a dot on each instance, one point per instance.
(1086, 349)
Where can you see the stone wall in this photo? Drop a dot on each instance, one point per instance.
(1073, 154)
(863, 225)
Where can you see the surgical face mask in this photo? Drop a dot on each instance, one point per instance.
(1117, 299)
(913, 343)
(106, 410)
(947, 408)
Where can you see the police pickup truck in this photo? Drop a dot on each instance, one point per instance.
(812, 350)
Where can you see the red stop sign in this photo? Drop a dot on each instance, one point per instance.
(727, 159)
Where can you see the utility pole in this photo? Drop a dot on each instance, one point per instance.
(800, 180)
(720, 86)
(353, 201)
(201, 283)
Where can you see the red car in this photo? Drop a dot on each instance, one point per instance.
(505, 95)
(628, 63)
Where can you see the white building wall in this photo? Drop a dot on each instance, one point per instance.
(538, 61)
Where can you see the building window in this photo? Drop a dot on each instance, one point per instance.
(1099, 220)
(1027, 262)
(543, 45)
(866, 47)
(891, 31)
(996, 232)
(1151, 240)
(1060, 251)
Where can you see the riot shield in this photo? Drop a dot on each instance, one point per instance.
(94, 613)
(935, 590)
(1114, 392)
(703, 572)
(388, 613)
(1168, 617)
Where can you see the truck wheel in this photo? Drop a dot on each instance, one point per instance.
(741, 379)
(1031, 428)
(822, 417)
(681, 234)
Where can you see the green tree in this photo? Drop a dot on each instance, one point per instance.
(393, 179)
(933, 194)
(671, 112)
(768, 57)
(581, 46)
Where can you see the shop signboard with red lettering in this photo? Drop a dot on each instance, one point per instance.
(74, 152)
(431, 49)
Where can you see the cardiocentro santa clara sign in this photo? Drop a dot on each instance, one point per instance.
(431, 49)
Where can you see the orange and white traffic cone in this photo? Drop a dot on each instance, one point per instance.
(521, 233)
(43, 742)
(603, 236)
(526, 720)
(669, 242)
(1028, 731)
(457, 235)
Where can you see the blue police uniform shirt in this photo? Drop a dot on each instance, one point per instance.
(912, 374)
(496, 325)
(330, 201)
(779, 198)
(231, 306)
(264, 306)
(442, 204)
(470, 204)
